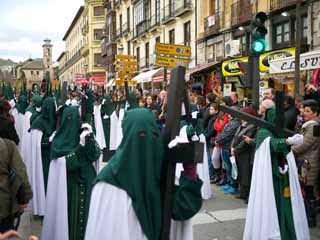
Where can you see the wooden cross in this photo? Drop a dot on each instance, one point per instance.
(277, 129)
(177, 94)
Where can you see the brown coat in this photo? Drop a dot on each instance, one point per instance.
(17, 191)
(309, 150)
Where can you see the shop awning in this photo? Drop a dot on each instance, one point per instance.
(146, 76)
(199, 68)
(98, 80)
(308, 61)
(159, 78)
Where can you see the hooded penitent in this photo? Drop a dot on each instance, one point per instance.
(139, 177)
(67, 138)
(46, 123)
(33, 106)
(107, 108)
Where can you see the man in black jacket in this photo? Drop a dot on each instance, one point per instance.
(291, 112)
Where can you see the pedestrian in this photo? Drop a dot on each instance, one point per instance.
(210, 98)
(224, 142)
(268, 93)
(311, 92)
(7, 129)
(242, 152)
(149, 103)
(290, 112)
(126, 198)
(15, 190)
(307, 155)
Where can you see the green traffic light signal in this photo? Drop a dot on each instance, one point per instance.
(258, 46)
(258, 32)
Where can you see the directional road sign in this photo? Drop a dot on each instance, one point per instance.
(126, 57)
(171, 49)
(170, 62)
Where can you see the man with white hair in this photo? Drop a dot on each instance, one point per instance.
(268, 94)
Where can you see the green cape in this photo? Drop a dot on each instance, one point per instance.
(67, 138)
(133, 100)
(136, 168)
(22, 105)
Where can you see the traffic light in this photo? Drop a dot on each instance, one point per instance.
(258, 33)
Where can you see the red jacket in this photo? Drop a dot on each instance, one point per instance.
(219, 124)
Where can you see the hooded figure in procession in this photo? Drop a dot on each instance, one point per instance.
(126, 198)
(71, 174)
(276, 208)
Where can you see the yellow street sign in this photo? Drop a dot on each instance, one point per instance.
(125, 75)
(170, 49)
(125, 57)
(127, 69)
(125, 63)
(170, 62)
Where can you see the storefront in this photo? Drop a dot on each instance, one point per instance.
(232, 72)
(309, 67)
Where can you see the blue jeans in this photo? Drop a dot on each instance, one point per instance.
(211, 171)
(225, 155)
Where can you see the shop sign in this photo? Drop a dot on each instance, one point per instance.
(308, 61)
(227, 89)
(231, 67)
(267, 57)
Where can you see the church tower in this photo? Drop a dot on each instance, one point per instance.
(47, 54)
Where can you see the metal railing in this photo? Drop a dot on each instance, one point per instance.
(168, 12)
(155, 20)
(119, 33)
(241, 11)
(142, 27)
(181, 5)
(125, 29)
(213, 23)
(277, 4)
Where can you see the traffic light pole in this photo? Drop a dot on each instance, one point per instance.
(255, 79)
(298, 50)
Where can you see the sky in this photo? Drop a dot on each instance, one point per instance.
(24, 24)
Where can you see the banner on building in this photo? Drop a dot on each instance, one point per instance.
(308, 61)
(267, 57)
(231, 67)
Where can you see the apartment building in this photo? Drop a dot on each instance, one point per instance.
(82, 58)
(134, 27)
(71, 62)
(93, 30)
(218, 32)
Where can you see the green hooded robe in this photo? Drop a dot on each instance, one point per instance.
(80, 171)
(279, 150)
(136, 168)
(46, 123)
(107, 108)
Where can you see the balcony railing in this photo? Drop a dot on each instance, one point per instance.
(154, 21)
(116, 3)
(168, 13)
(182, 6)
(212, 24)
(125, 29)
(277, 4)
(142, 27)
(241, 12)
(108, 5)
(119, 33)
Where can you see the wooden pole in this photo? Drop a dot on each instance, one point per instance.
(298, 50)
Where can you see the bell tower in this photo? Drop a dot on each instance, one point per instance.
(47, 54)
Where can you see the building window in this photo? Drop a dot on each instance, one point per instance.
(158, 39)
(187, 34)
(128, 17)
(98, 34)
(98, 60)
(243, 43)
(282, 33)
(147, 54)
(138, 12)
(98, 11)
(120, 23)
(128, 47)
(171, 36)
(31, 72)
(38, 73)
